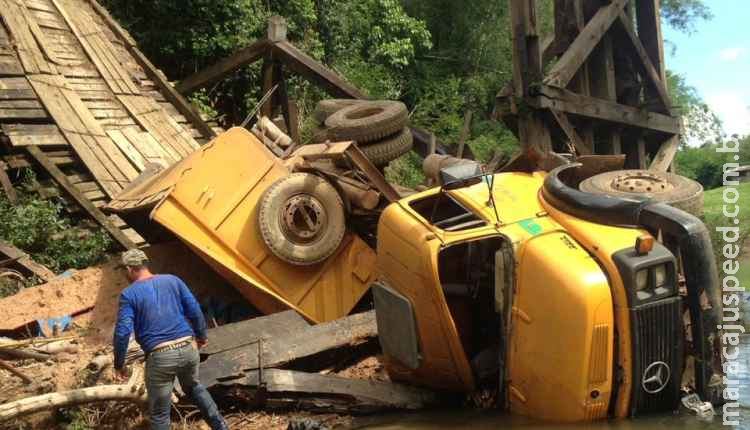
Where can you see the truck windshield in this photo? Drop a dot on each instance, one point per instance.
(445, 213)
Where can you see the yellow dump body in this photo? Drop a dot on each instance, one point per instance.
(210, 201)
(560, 350)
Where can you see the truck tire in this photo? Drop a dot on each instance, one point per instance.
(383, 152)
(675, 190)
(301, 219)
(367, 122)
(327, 107)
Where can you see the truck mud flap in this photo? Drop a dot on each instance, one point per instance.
(397, 327)
(692, 240)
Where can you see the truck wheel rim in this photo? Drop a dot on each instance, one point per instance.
(303, 218)
(641, 182)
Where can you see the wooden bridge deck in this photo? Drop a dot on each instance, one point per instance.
(74, 85)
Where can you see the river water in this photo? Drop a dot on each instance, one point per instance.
(484, 420)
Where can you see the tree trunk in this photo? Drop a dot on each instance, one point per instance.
(133, 391)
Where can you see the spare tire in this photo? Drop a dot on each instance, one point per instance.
(301, 218)
(327, 107)
(383, 152)
(367, 122)
(675, 190)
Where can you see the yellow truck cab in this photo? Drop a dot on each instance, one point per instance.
(559, 299)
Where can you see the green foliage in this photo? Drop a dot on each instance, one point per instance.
(684, 14)
(441, 57)
(39, 228)
(714, 217)
(701, 123)
(406, 171)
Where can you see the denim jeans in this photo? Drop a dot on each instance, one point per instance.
(161, 369)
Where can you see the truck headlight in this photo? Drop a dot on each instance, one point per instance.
(660, 275)
(647, 276)
(641, 280)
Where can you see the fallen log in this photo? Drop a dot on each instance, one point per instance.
(15, 371)
(25, 353)
(134, 391)
(283, 389)
(55, 348)
(280, 350)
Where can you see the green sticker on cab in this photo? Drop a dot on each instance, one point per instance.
(531, 226)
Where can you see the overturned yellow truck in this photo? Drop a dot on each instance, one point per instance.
(570, 305)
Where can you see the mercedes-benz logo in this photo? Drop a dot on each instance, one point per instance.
(656, 377)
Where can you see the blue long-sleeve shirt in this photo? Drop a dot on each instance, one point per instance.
(158, 309)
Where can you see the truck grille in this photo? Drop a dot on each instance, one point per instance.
(657, 355)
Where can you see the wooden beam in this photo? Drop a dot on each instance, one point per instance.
(25, 262)
(289, 389)
(665, 156)
(646, 65)
(648, 16)
(574, 57)
(82, 201)
(572, 103)
(279, 350)
(224, 67)
(314, 71)
(570, 131)
(183, 106)
(267, 82)
(464, 134)
(10, 192)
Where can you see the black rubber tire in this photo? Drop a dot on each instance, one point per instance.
(328, 107)
(383, 152)
(284, 245)
(367, 122)
(686, 194)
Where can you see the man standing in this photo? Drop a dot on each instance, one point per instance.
(158, 308)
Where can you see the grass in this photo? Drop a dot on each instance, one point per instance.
(714, 217)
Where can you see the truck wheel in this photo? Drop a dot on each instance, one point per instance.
(675, 190)
(383, 152)
(301, 219)
(327, 107)
(367, 122)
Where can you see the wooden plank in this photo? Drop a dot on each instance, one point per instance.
(148, 147)
(71, 189)
(98, 48)
(574, 57)
(236, 335)
(128, 149)
(82, 70)
(21, 114)
(166, 89)
(281, 350)
(312, 70)
(26, 262)
(172, 137)
(567, 101)
(223, 67)
(290, 389)
(32, 58)
(97, 151)
(653, 75)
